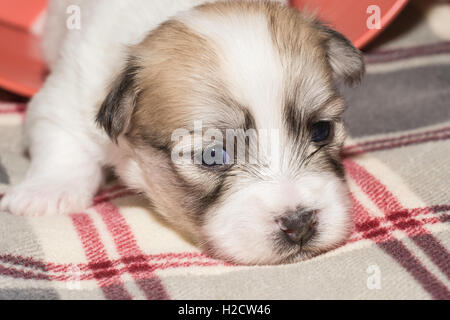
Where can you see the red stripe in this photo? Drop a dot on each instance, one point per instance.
(12, 108)
(380, 229)
(109, 281)
(376, 191)
(20, 274)
(25, 262)
(370, 226)
(386, 201)
(40, 275)
(11, 111)
(172, 259)
(392, 209)
(364, 224)
(400, 218)
(373, 228)
(127, 246)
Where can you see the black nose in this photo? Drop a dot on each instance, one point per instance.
(299, 226)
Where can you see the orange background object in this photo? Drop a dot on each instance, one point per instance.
(22, 67)
(21, 13)
(350, 16)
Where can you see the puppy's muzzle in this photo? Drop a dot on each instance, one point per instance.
(298, 226)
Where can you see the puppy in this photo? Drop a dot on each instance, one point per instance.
(138, 72)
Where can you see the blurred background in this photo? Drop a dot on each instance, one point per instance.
(401, 23)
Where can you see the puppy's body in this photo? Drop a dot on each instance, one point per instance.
(67, 147)
(239, 65)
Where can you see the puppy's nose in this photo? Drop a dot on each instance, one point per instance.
(299, 226)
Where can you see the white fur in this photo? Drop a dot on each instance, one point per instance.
(242, 227)
(69, 151)
(243, 57)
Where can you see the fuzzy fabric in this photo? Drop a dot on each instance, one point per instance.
(397, 161)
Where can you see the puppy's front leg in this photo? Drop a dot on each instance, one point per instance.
(63, 177)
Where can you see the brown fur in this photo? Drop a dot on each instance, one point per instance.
(176, 79)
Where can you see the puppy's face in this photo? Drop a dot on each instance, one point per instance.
(253, 69)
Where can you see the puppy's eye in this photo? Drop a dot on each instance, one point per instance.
(215, 156)
(321, 131)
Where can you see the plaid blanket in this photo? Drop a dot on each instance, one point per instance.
(397, 161)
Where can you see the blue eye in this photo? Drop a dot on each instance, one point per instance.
(215, 156)
(321, 131)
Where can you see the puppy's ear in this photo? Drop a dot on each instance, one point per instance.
(346, 61)
(116, 111)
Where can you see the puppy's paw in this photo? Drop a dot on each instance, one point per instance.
(35, 199)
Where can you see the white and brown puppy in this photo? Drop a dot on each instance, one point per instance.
(137, 71)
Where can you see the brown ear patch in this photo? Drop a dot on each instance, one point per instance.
(116, 110)
(346, 61)
(296, 33)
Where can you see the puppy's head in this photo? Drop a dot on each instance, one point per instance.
(226, 75)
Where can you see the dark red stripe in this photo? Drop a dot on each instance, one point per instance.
(30, 275)
(170, 257)
(405, 53)
(11, 111)
(20, 274)
(109, 281)
(368, 225)
(357, 150)
(391, 207)
(401, 137)
(127, 246)
(24, 262)
(430, 283)
(367, 231)
(440, 208)
(436, 251)
(14, 108)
